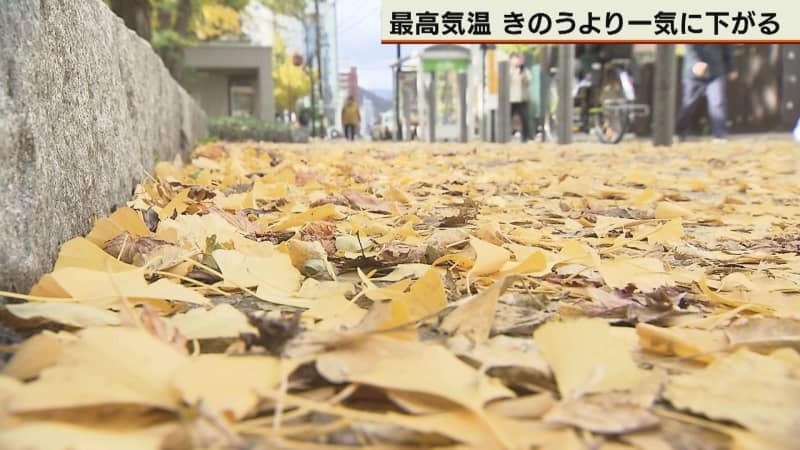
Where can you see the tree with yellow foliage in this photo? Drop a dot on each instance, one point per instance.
(172, 25)
(217, 21)
(291, 81)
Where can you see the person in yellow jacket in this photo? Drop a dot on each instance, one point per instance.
(351, 118)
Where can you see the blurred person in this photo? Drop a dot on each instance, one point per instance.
(414, 128)
(520, 92)
(797, 130)
(705, 70)
(351, 118)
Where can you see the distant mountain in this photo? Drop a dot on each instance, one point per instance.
(380, 102)
(388, 94)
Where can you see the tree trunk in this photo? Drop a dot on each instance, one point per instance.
(136, 15)
(184, 17)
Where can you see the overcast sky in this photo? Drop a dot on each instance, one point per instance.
(359, 33)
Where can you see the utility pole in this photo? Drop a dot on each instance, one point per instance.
(566, 56)
(310, 73)
(318, 35)
(399, 133)
(664, 95)
(503, 123)
(484, 133)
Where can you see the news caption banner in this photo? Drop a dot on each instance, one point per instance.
(526, 21)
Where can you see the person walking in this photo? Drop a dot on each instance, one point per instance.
(705, 70)
(351, 118)
(520, 92)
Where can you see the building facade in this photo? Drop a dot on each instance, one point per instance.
(231, 79)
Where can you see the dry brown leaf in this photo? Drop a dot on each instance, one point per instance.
(366, 202)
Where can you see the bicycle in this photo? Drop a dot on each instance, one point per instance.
(604, 102)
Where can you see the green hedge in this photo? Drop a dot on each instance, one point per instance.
(246, 128)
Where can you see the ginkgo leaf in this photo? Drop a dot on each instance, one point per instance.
(669, 232)
(106, 365)
(489, 257)
(646, 196)
(604, 224)
(646, 274)
(474, 317)
(602, 413)
(394, 193)
(461, 261)
(394, 364)
(426, 295)
(525, 407)
(71, 314)
(81, 252)
(228, 385)
(535, 262)
(761, 333)
(573, 252)
(335, 312)
(587, 356)
(275, 271)
(37, 353)
(178, 205)
(194, 229)
(502, 351)
(105, 288)
(700, 345)
(64, 436)
(669, 210)
(323, 212)
(122, 220)
(222, 321)
(405, 271)
(753, 390)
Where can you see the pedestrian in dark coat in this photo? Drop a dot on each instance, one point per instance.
(706, 67)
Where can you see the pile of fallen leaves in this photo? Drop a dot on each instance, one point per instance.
(414, 296)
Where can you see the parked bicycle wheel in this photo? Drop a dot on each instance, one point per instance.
(611, 119)
(610, 124)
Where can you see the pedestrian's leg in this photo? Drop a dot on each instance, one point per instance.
(515, 110)
(715, 95)
(692, 92)
(523, 118)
